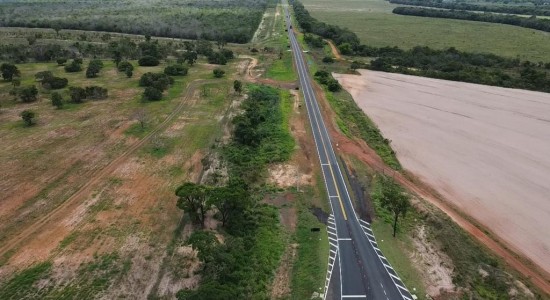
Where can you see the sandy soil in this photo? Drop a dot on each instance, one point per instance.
(482, 148)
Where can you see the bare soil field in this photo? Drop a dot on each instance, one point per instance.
(484, 149)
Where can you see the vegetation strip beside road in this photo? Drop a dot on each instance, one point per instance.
(505, 9)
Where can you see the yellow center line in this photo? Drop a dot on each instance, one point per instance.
(327, 157)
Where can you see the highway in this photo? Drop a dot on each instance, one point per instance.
(363, 272)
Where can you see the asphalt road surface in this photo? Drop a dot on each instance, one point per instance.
(363, 271)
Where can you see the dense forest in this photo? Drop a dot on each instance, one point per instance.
(228, 20)
(531, 22)
(505, 9)
(449, 64)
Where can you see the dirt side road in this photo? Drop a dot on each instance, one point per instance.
(482, 148)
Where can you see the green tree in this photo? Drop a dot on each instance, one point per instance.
(190, 57)
(205, 242)
(192, 198)
(393, 198)
(355, 65)
(129, 73)
(9, 71)
(152, 94)
(78, 94)
(57, 100)
(176, 70)
(218, 73)
(94, 67)
(328, 59)
(61, 61)
(238, 86)
(230, 201)
(28, 94)
(28, 117)
(148, 61)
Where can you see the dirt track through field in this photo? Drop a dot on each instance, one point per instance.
(484, 149)
(73, 201)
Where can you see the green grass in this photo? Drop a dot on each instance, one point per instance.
(375, 25)
(282, 69)
(23, 283)
(310, 267)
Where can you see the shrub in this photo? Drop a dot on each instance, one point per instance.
(94, 67)
(57, 100)
(148, 61)
(78, 94)
(124, 66)
(159, 81)
(218, 73)
(28, 94)
(96, 92)
(61, 61)
(333, 85)
(28, 117)
(176, 70)
(152, 94)
(217, 58)
(328, 59)
(55, 83)
(74, 66)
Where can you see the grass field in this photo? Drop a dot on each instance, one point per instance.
(375, 25)
(111, 241)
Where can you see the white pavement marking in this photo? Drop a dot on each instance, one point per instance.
(387, 266)
(333, 239)
(354, 296)
(334, 197)
(344, 239)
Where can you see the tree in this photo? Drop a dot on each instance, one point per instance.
(393, 198)
(28, 117)
(176, 70)
(238, 86)
(218, 73)
(31, 39)
(205, 242)
(78, 94)
(94, 67)
(230, 200)
(61, 61)
(355, 65)
(140, 115)
(43, 76)
(123, 66)
(57, 27)
(190, 57)
(74, 66)
(129, 73)
(333, 85)
(148, 61)
(9, 71)
(57, 100)
(28, 94)
(152, 94)
(192, 198)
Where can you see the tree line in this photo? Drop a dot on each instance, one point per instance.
(531, 22)
(242, 266)
(504, 9)
(449, 64)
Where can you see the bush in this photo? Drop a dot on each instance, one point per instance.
(148, 61)
(55, 83)
(57, 100)
(124, 66)
(152, 94)
(74, 66)
(28, 117)
(96, 92)
(28, 94)
(333, 85)
(94, 67)
(218, 73)
(61, 61)
(217, 58)
(78, 94)
(176, 70)
(328, 59)
(159, 81)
